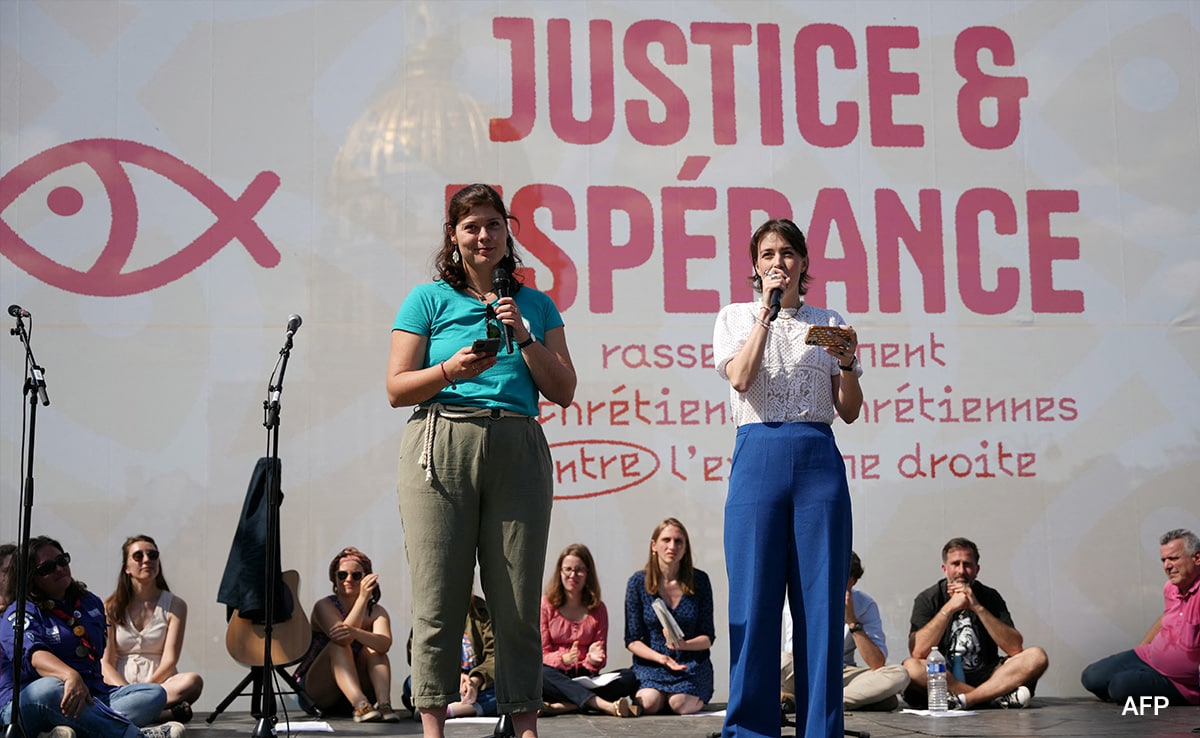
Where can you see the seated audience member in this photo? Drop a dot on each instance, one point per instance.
(6, 557)
(63, 691)
(870, 687)
(675, 678)
(146, 623)
(970, 624)
(1166, 662)
(477, 678)
(575, 642)
(347, 665)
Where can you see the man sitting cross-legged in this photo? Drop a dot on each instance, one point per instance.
(970, 624)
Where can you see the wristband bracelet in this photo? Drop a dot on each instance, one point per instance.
(446, 376)
(526, 342)
(848, 368)
(763, 323)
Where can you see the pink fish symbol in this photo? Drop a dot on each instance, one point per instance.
(108, 157)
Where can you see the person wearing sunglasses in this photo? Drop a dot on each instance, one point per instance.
(146, 623)
(475, 468)
(347, 668)
(63, 691)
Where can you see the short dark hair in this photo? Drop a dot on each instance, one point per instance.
(856, 567)
(966, 543)
(789, 233)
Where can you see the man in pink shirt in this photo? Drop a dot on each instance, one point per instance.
(1165, 663)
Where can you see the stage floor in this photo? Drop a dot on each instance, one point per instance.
(1061, 718)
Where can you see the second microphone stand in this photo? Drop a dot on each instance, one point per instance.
(265, 726)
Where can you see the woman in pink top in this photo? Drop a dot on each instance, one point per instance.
(574, 643)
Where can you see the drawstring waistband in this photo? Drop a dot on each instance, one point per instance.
(453, 412)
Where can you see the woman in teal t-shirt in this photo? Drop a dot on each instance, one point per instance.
(475, 476)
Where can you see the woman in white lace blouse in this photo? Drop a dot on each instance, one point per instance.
(787, 514)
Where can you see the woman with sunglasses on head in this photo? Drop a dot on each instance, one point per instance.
(575, 642)
(347, 666)
(63, 691)
(475, 468)
(146, 623)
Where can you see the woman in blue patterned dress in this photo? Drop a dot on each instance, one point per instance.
(678, 678)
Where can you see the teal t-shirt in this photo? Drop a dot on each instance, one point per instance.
(450, 320)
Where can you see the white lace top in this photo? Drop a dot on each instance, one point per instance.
(794, 383)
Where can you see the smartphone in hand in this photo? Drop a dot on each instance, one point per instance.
(486, 346)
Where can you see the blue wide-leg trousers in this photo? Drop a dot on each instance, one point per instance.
(787, 528)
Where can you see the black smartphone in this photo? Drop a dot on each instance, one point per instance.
(486, 346)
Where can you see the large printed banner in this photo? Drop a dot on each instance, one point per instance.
(999, 196)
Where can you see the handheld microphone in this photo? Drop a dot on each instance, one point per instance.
(502, 287)
(776, 304)
(293, 325)
(17, 311)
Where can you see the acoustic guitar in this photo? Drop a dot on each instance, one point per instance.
(246, 640)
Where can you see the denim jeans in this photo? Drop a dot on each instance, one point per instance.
(1124, 675)
(116, 716)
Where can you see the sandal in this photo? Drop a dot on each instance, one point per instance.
(623, 708)
(386, 713)
(364, 713)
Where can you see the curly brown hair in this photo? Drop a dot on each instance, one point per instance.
(461, 203)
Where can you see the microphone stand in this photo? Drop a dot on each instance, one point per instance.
(265, 726)
(35, 388)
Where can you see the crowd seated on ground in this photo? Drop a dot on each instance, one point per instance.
(348, 667)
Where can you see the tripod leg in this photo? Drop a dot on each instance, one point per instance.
(237, 692)
(256, 691)
(305, 701)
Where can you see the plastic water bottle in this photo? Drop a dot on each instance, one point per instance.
(935, 672)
